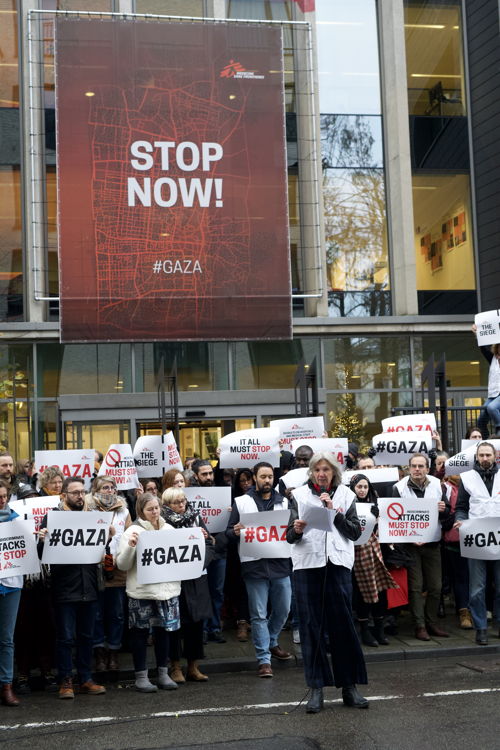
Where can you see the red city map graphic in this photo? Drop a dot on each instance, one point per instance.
(207, 256)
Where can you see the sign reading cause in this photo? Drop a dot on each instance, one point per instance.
(367, 521)
(75, 537)
(408, 520)
(35, 508)
(172, 180)
(214, 504)
(298, 429)
(72, 463)
(156, 454)
(480, 538)
(119, 463)
(338, 446)
(398, 448)
(488, 327)
(18, 554)
(248, 447)
(264, 534)
(410, 423)
(170, 555)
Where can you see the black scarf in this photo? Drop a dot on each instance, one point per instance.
(190, 517)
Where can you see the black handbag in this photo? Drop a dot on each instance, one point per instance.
(396, 556)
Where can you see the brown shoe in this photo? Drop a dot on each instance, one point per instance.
(176, 672)
(265, 670)
(465, 619)
(422, 634)
(433, 630)
(280, 653)
(101, 661)
(8, 697)
(90, 688)
(242, 631)
(113, 664)
(66, 688)
(194, 674)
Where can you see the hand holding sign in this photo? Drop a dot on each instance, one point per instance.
(487, 326)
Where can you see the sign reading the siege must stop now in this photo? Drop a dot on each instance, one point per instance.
(214, 504)
(408, 520)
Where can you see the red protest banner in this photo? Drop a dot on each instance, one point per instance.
(171, 181)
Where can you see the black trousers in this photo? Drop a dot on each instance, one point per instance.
(324, 606)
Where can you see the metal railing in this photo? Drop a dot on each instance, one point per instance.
(459, 419)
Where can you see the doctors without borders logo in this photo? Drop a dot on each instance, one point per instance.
(235, 69)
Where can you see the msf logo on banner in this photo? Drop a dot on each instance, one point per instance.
(235, 69)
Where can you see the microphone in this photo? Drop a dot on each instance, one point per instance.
(323, 489)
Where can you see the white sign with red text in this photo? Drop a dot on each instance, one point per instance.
(367, 521)
(337, 446)
(214, 504)
(264, 535)
(298, 429)
(156, 454)
(409, 520)
(35, 508)
(410, 423)
(383, 474)
(480, 538)
(170, 555)
(488, 327)
(18, 552)
(245, 448)
(119, 464)
(75, 537)
(72, 463)
(398, 447)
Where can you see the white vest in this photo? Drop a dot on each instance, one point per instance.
(494, 378)
(309, 552)
(246, 504)
(433, 489)
(481, 503)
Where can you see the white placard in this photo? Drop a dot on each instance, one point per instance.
(120, 465)
(398, 447)
(408, 520)
(381, 474)
(245, 448)
(367, 521)
(72, 463)
(35, 508)
(170, 555)
(337, 446)
(75, 537)
(464, 461)
(18, 549)
(480, 538)
(488, 327)
(295, 477)
(149, 456)
(214, 504)
(316, 517)
(264, 535)
(410, 423)
(297, 430)
(172, 456)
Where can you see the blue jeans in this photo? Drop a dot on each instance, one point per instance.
(490, 412)
(265, 630)
(9, 604)
(216, 574)
(477, 591)
(75, 621)
(110, 618)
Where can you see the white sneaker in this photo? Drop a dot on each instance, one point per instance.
(296, 635)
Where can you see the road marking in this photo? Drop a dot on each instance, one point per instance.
(224, 709)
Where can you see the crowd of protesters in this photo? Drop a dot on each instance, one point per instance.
(335, 595)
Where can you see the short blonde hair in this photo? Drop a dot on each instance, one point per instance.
(330, 459)
(172, 493)
(51, 472)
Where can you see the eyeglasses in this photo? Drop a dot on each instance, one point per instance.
(77, 493)
(179, 502)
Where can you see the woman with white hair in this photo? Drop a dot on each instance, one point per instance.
(322, 563)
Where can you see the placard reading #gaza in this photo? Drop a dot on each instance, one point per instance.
(464, 461)
(410, 423)
(72, 463)
(398, 447)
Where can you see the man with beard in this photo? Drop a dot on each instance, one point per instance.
(75, 593)
(479, 495)
(267, 580)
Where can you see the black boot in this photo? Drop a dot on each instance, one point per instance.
(378, 631)
(315, 702)
(353, 698)
(366, 634)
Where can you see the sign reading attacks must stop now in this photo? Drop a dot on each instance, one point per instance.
(408, 520)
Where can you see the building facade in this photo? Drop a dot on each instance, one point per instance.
(393, 209)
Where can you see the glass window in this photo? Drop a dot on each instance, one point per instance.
(11, 260)
(444, 250)
(260, 10)
(371, 362)
(96, 435)
(434, 60)
(9, 61)
(465, 364)
(271, 364)
(348, 60)
(47, 426)
(171, 7)
(351, 141)
(83, 368)
(356, 241)
(15, 390)
(358, 415)
(200, 366)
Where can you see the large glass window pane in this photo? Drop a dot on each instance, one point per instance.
(171, 7)
(11, 256)
(443, 244)
(371, 362)
(465, 365)
(358, 415)
(351, 141)
(200, 366)
(83, 368)
(271, 364)
(348, 60)
(434, 59)
(9, 61)
(261, 10)
(15, 390)
(97, 435)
